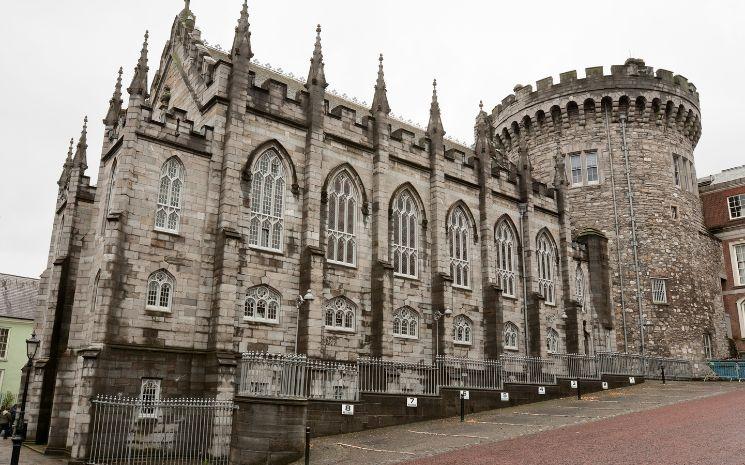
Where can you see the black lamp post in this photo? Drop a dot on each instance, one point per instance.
(32, 345)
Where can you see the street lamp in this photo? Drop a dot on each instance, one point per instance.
(436, 316)
(32, 345)
(299, 301)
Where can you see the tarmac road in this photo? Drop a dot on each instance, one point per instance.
(651, 423)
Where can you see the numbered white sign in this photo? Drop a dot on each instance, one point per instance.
(347, 409)
(541, 390)
(573, 384)
(632, 380)
(605, 385)
(464, 395)
(505, 396)
(411, 401)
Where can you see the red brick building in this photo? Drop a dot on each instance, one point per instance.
(723, 198)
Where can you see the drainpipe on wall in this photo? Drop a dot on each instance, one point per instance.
(522, 208)
(618, 245)
(633, 234)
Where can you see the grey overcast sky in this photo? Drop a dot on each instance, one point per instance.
(60, 59)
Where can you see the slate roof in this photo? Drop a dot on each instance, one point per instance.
(18, 296)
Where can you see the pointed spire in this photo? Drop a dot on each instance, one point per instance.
(115, 104)
(435, 121)
(380, 99)
(80, 159)
(482, 119)
(316, 76)
(66, 166)
(139, 80)
(242, 39)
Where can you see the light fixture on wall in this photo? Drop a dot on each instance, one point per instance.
(299, 301)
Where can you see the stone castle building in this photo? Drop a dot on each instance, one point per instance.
(226, 190)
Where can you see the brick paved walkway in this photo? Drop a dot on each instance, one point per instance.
(597, 429)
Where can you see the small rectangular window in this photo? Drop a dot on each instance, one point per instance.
(4, 333)
(707, 346)
(739, 256)
(149, 397)
(673, 212)
(736, 206)
(659, 291)
(576, 164)
(592, 167)
(676, 169)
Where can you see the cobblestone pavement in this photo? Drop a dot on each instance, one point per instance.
(28, 456)
(672, 423)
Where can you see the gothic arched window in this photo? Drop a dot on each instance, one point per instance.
(552, 341)
(458, 234)
(262, 304)
(341, 246)
(510, 336)
(406, 323)
(579, 284)
(340, 314)
(506, 245)
(168, 214)
(404, 229)
(160, 291)
(462, 330)
(267, 202)
(546, 258)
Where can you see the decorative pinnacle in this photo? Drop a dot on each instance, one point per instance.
(66, 166)
(380, 99)
(242, 39)
(316, 75)
(115, 103)
(139, 80)
(80, 154)
(435, 121)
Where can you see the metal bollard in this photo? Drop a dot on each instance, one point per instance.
(462, 408)
(579, 390)
(307, 445)
(662, 368)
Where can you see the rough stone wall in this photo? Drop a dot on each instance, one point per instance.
(662, 120)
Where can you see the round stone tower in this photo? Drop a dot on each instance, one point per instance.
(626, 141)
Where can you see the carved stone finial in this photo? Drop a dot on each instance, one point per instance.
(139, 80)
(316, 74)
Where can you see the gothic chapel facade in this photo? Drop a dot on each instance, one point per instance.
(227, 189)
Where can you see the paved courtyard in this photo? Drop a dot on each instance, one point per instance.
(677, 423)
(28, 456)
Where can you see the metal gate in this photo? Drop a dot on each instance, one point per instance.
(133, 431)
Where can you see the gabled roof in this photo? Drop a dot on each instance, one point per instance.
(18, 296)
(730, 174)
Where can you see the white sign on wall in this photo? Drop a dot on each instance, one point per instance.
(411, 401)
(632, 380)
(605, 385)
(347, 409)
(505, 396)
(573, 384)
(464, 395)
(541, 390)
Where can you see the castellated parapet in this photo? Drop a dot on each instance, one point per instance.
(653, 120)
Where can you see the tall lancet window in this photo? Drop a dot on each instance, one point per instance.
(267, 202)
(458, 237)
(341, 245)
(404, 229)
(506, 245)
(109, 192)
(546, 257)
(168, 214)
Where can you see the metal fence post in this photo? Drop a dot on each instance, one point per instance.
(662, 368)
(307, 445)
